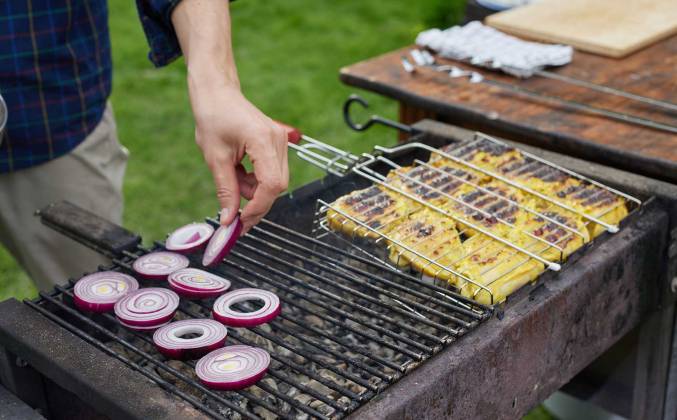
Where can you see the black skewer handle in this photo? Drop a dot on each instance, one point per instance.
(88, 228)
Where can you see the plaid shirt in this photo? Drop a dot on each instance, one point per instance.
(55, 71)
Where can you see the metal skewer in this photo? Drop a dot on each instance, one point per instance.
(606, 89)
(476, 77)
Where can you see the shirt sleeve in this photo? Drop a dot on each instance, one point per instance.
(156, 20)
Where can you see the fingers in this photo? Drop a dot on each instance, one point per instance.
(246, 181)
(227, 186)
(269, 158)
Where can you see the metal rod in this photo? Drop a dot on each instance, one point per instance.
(481, 136)
(500, 197)
(359, 294)
(606, 89)
(438, 190)
(361, 332)
(334, 262)
(339, 299)
(618, 116)
(271, 372)
(609, 227)
(374, 264)
(551, 265)
(477, 77)
(377, 289)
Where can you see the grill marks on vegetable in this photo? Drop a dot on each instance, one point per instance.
(476, 202)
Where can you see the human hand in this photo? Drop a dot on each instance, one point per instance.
(228, 127)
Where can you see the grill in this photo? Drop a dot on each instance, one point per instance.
(355, 333)
(315, 281)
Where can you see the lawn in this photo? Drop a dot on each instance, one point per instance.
(288, 55)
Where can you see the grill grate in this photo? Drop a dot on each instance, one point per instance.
(349, 327)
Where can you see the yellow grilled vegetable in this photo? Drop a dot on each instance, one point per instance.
(428, 242)
(369, 213)
(493, 270)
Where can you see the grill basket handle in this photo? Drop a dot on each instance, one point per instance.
(293, 134)
(374, 119)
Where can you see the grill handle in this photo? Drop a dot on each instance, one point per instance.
(329, 158)
(374, 119)
(293, 134)
(88, 228)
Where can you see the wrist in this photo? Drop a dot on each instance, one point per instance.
(210, 76)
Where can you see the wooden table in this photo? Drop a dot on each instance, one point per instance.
(651, 72)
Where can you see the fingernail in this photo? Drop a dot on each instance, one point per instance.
(224, 215)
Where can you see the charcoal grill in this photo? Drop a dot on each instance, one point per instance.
(357, 338)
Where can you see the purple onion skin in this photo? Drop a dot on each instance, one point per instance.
(247, 323)
(237, 385)
(200, 243)
(190, 354)
(146, 323)
(98, 308)
(227, 246)
(193, 249)
(194, 294)
(143, 328)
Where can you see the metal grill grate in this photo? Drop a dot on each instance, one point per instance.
(349, 327)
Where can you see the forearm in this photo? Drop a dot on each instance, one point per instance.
(227, 125)
(203, 30)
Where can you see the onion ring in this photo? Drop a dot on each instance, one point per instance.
(194, 283)
(224, 314)
(147, 307)
(158, 265)
(168, 340)
(222, 242)
(146, 328)
(233, 367)
(98, 292)
(189, 238)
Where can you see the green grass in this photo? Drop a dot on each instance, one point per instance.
(288, 54)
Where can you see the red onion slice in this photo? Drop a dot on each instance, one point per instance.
(169, 340)
(147, 307)
(189, 238)
(194, 283)
(146, 328)
(233, 367)
(98, 292)
(221, 243)
(224, 314)
(158, 265)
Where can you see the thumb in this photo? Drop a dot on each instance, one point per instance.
(227, 191)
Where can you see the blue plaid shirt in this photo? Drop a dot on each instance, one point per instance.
(55, 71)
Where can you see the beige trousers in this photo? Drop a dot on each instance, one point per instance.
(91, 177)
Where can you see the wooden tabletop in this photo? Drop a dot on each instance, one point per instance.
(650, 72)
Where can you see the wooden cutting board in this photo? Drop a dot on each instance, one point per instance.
(613, 28)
